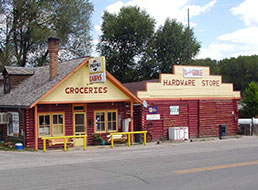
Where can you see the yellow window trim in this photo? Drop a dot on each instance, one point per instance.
(85, 119)
(106, 120)
(51, 122)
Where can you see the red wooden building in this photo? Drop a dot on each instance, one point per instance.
(60, 99)
(189, 98)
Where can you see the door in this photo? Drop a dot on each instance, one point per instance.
(79, 127)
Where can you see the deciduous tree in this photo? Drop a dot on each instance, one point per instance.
(171, 45)
(26, 25)
(124, 41)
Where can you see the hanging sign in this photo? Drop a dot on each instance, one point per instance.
(191, 72)
(97, 67)
(98, 78)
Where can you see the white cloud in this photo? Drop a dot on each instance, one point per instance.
(160, 10)
(247, 12)
(114, 8)
(216, 51)
(245, 36)
(240, 42)
(163, 9)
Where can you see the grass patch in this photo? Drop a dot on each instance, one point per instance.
(10, 146)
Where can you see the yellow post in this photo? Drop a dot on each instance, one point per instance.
(44, 145)
(144, 139)
(64, 144)
(112, 141)
(84, 143)
(128, 138)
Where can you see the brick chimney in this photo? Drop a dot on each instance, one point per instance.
(53, 47)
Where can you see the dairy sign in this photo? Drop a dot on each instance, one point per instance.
(97, 68)
(193, 72)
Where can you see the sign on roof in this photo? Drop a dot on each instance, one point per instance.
(97, 66)
(188, 82)
(191, 72)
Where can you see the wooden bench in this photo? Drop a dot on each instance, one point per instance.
(118, 138)
(53, 142)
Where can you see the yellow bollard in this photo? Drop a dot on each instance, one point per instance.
(65, 144)
(128, 138)
(144, 139)
(44, 145)
(112, 141)
(84, 143)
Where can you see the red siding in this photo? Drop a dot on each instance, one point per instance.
(201, 117)
(193, 118)
(213, 113)
(29, 129)
(123, 111)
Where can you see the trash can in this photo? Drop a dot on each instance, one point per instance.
(222, 130)
(138, 138)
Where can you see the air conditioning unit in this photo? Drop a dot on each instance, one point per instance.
(178, 133)
(4, 118)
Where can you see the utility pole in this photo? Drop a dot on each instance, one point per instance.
(189, 39)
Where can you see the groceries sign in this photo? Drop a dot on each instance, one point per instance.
(97, 66)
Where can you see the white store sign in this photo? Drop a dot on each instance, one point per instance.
(153, 117)
(98, 78)
(174, 110)
(193, 72)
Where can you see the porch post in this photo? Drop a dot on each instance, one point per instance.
(36, 127)
(131, 127)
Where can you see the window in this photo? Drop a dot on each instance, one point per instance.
(4, 118)
(51, 124)
(78, 108)
(6, 85)
(13, 126)
(105, 121)
(44, 125)
(57, 127)
(100, 121)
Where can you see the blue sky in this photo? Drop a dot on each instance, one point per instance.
(225, 28)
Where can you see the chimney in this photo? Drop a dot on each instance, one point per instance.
(53, 47)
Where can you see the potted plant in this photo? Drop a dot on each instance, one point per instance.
(97, 139)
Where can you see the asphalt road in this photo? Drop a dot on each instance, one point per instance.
(218, 164)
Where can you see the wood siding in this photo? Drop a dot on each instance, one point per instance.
(17, 79)
(123, 111)
(202, 117)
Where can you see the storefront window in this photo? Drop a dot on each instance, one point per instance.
(44, 125)
(51, 124)
(57, 127)
(105, 121)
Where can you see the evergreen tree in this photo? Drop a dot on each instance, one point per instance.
(250, 100)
